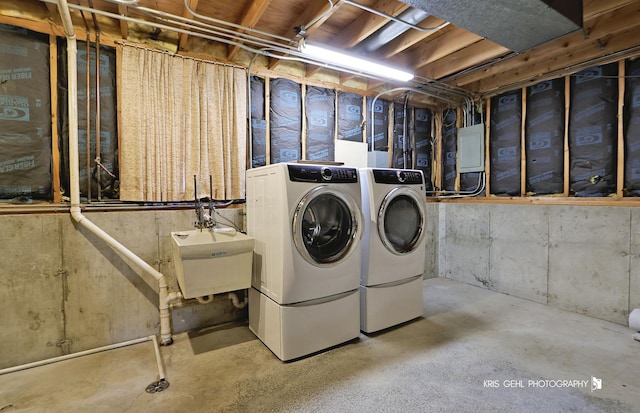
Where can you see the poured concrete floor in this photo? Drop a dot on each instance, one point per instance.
(473, 351)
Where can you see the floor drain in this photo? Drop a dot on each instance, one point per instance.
(157, 386)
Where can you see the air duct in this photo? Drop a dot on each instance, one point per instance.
(390, 31)
(518, 25)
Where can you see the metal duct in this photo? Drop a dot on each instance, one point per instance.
(516, 24)
(390, 31)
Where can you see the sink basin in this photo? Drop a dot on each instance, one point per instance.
(212, 261)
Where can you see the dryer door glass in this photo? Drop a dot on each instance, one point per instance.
(325, 226)
(401, 221)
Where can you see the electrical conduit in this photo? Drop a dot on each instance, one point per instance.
(133, 260)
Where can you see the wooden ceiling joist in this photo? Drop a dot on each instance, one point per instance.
(251, 16)
(567, 50)
(124, 27)
(317, 12)
(480, 51)
(367, 24)
(452, 41)
(183, 38)
(450, 54)
(410, 38)
(577, 57)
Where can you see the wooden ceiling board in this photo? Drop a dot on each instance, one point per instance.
(455, 39)
(593, 8)
(592, 49)
(451, 54)
(230, 11)
(481, 51)
(367, 24)
(413, 37)
(281, 17)
(314, 16)
(340, 16)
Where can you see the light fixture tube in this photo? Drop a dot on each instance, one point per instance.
(355, 63)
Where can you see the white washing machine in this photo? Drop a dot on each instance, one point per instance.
(393, 251)
(307, 224)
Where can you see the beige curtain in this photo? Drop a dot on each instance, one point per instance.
(180, 117)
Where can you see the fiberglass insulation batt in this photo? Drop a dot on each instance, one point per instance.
(505, 143)
(285, 121)
(544, 137)
(593, 131)
(25, 115)
(632, 130)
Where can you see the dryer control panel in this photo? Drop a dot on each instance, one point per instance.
(322, 173)
(398, 176)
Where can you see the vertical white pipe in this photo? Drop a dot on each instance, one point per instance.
(165, 298)
(72, 52)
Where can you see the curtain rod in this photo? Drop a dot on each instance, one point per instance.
(197, 59)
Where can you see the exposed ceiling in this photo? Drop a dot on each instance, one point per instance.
(444, 54)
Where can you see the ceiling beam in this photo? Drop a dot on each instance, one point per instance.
(368, 23)
(124, 27)
(53, 9)
(475, 54)
(453, 40)
(183, 37)
(411, 37)
(251, 16)
(317, 12)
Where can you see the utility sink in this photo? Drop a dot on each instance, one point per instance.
(212, 261)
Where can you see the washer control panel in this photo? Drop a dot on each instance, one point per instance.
(398, 176)
(322, 173)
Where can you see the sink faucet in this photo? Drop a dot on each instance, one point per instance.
(204, 220)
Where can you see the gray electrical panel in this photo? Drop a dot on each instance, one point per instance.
(471, 149)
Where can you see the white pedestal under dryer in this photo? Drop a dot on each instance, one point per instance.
(393, 251)
(307, 224)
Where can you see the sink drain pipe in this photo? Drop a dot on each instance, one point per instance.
(236, 301)
(153, 338)
(206, 299)
(133, 260)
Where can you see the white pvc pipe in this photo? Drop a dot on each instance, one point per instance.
(156, 348)
(92, 351)
(74, 178)
(236, 301)
(205, 299)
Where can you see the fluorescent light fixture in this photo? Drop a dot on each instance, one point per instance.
(354, 63)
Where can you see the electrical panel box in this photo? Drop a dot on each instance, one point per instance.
(471, 149)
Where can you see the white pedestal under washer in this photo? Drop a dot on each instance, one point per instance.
(393, 251)
(307, 224)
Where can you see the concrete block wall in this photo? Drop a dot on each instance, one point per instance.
(582, 259)
(63, 290)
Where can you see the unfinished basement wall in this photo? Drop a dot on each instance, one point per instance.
(63, 290)
(584, 259)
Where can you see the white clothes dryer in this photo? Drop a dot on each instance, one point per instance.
(394, 250)
(307, 224)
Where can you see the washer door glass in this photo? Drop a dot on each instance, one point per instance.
(325, 225)
(401, 221)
